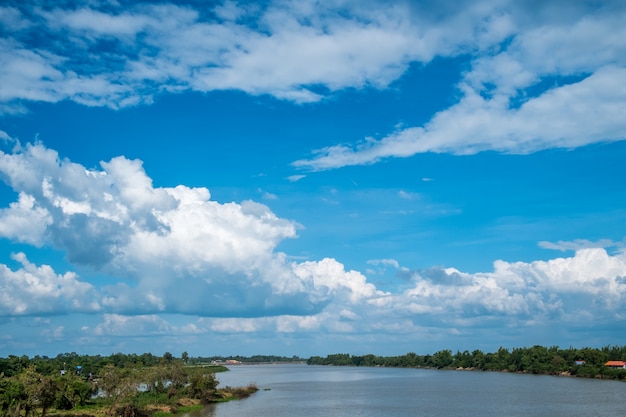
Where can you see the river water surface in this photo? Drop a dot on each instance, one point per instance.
(316, 391)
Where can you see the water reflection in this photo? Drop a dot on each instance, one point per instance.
(291, 390)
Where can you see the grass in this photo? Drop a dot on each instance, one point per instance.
(189, 408)
(230, 393)
(212, 368)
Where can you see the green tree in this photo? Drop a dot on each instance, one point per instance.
(558, 364)
(118, 385)
(72, 391)
(463, 359)
(478, 359)
(12, 396)
(442, 358)
(177, 378)
(202, 385)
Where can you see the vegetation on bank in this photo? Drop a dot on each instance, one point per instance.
(585, 362)
(116, 385)
(130, 385)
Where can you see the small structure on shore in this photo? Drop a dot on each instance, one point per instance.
(616, 364)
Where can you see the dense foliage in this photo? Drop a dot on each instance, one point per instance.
(535, 360)
(120, 384)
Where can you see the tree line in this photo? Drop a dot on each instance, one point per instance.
(118, 385)
(585, 362)
(132, 385)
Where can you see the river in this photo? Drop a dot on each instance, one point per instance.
(324, 391)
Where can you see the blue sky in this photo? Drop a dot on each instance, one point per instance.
(305, 178)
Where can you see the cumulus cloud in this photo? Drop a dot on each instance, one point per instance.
(175, 249)
(328, 275)
(38, 290)
(585, 290)
(589, 284)
(23, 221)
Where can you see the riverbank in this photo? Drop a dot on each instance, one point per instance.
(119, 385)
(166, 408)
(537, 360)
(566, 374)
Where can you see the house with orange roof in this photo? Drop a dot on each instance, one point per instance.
(616, 364)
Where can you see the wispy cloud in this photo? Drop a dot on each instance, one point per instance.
(295, 178)
(580, 244)
(543, 85)
(406, 195)
(152, 48)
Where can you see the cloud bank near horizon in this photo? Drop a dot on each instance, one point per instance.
(174, 251)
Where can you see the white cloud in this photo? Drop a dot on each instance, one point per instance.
(229, 10)
(580, 244)
(53, 333)
(96, 23)
(328, 276)
(239, 325)
(589, 284)
(295, 178)
(179, 251)
(5, 136)
(291, 324)
(299, 51)
(142, 325)
(408, 195)
(23, 221)
(38, 290)
(576, 64)
(176, 251)
(175, 48)
(385, 262)
(269, 196)
(11, 19)
(540, 77)
(565, 117)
